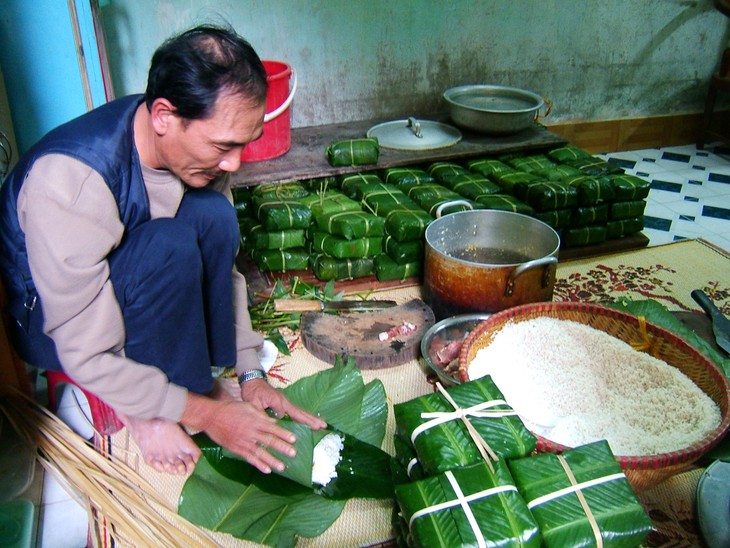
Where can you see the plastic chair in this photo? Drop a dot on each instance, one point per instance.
(103, 417)
(720, 81)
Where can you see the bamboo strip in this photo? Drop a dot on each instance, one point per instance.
(107, 487)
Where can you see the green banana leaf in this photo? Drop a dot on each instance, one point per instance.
(247, 511)
(226, 494)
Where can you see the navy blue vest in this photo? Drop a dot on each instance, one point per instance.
(103, 139)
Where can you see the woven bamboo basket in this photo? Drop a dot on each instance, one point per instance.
(643, 472)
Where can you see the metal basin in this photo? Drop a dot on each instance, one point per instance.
(498, 110)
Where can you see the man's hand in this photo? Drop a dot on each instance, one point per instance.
(264, 396)
(242, 428)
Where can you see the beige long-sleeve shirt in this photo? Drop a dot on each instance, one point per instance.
(71, 224)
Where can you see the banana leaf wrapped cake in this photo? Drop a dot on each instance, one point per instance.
(328, 268)
(407, 175)
(488, 166)
(350, 184)
(581, 498)
(329, 201)
(386, 269)
(442, 171)
(342, 248)
(470, 506)
(351, 224)
(353, 152)
(457, 426)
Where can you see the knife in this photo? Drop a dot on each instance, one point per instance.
(305, 305)
(720, 324)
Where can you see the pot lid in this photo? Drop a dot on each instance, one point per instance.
(413, 134)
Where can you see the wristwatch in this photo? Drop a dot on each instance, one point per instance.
(250, 375)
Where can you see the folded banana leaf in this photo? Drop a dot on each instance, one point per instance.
(567, 153)
(226, 494)
(592, 190)
(342, 248)
(280, 260)
(350, 184)
(474, 186)
(441, 171)
(353, 152)
(278, 191)
(624, 227)
(468, 506)
(586, 235)
(403, 252)
(558, 218)
(442, 442)
(402, 175)
(241, 194)
(532, 163)
(329, 201)
(488, 166)
(258, 238)
(406, 225)
(351, 224)
(590, 215)
(626, 210)
(387, 269)
(629, 187)
(328, 268)
(558, 172)
(505, 202)
(509, 179)
(562, 519)
(283, 214)
(595, 167)
(546, 196)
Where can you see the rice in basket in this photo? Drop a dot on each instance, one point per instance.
(574, 384)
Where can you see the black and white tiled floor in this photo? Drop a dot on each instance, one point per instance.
(689, 198)
(690, 191)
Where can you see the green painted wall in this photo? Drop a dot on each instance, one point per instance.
(362, 59)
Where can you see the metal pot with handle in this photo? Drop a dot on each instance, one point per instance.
(487, 260)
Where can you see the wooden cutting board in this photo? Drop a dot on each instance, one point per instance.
(356, 334)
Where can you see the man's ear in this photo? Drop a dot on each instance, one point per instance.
(163, 115)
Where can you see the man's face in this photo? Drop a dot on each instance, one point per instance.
(199, 151)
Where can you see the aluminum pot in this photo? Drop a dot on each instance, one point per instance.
(482, 260)
(498, 110)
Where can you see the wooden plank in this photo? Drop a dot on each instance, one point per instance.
(306, 159)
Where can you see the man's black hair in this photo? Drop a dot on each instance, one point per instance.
(191, 69)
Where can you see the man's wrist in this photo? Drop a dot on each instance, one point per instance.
(250, 375)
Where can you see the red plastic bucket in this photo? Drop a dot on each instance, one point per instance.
(276, 139)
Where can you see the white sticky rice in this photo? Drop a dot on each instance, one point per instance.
(326, 456)
(574, 384)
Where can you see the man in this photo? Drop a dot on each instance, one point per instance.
(117, 247)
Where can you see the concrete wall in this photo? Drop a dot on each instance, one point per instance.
(362, 59)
